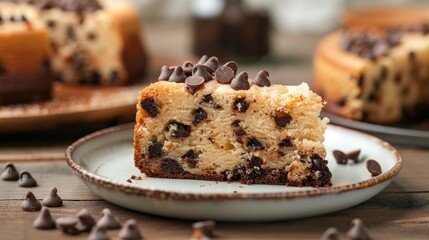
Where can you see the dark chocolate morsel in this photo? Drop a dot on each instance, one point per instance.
(10, 173)
(373, 167)
(98, 233)
(150, 107)
(165, 73)
(330, 234)
(30, 203)
(130, 231)
(26, 180)
(206, 227)
(212, 63)
(354, 155)
(262, 79)
(357, 230)
(68, 225)
(187, 68)
(233, 65)
(178, 75)
(254, 144)
(202, 60)
(171, 165)
(199, 115)
(282, 119)
(191, 158)
(86, 221)
(178, 129)
(237, 128)
(44, 220)
(155, 149)
(285, 142)
(52, 199)
(194, 83)
(201, 70)
(224, 74)
(108, 221)
(240, 105)
(340, 157)
(240, 82)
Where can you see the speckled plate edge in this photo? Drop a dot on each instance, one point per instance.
(129, 188)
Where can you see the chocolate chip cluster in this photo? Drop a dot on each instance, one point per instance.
(208, 69)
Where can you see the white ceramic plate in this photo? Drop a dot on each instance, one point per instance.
(104, 161)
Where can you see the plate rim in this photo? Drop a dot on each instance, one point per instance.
(129, 188)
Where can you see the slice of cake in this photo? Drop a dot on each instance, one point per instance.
(213, 123)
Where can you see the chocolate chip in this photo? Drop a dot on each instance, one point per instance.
(262, 79)
(282, 119)
(91, 36)
(165, 73)
(187, 68)
(86, 221)
(342, 102)
(178, 75)
(12, 18)
(240, 82)
(114, 76)
(98, 233)
(24, 19)
(373, 167)
(130, 231)
(150, 107)
(233, 65)
(10, 173)
(30, 203)
(398, 78)
(240, 105)
(108, 221)
(191, 158)
(207, 98)
(320, 165)
(178, 129)
(68, 225)
(26, 180)
(224, 74)
(340, 157)
(285, 142)
(201, 70)
(194, 83)
(412, 56)
(254, 144)
(203, 59)
(354, 155)
(44, 220)
(95, 77)
(52, 199)
(357, 230)
(155, 149)
(199, 115)
(330, 234)
(212, 64)
(361, 80)
(70, 33)
(171, 165)
(51, 24)
(206, 227)
(237, 129)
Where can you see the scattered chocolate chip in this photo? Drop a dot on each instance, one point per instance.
(206, 227)
(86, 221)
(285, 142)
(320, 165)
(114, 76)
(212, 64)
(10, 173)
(237, 129)
(70, 33)
(51, 24)
(233, 65)
(24, 19)
(354, 155)
(224, 74)
(178, 129)
(203, 59)
(52, 199)
(130, 231)
(361, 80)
(155, 149)
(68, 225)
(254, 144)
(44, 221)
(240, 82)
(98, 233)
(373, 167)
(357, 230)
(193, 83)
(340, 157)
(91, 36)
(129, 181)
(240, 105)
(26, 180)
(282, 119)
(30, 203)
(262, 79)
(187, 68)
(150, 107)
(178, 75)
(199, 115)
(165, 73)
(191, 158)
(94, 77)
(12, 18)
(201, 70)
(342, 101)
(207, 98)
(108, 221)
(330, 234)
(398, 78)
(171, 165)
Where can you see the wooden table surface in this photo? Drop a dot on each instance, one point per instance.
(401, 211)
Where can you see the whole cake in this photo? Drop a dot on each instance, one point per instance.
(210, 122)
(24, 55)
(373, 75)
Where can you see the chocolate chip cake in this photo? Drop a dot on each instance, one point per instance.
(373, 75)
(24, 55)
(212, 122)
